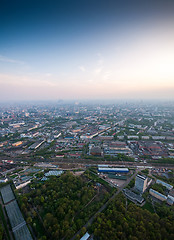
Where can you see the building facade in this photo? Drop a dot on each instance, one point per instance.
(141, 183)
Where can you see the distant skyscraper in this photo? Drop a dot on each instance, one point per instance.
(141, 183)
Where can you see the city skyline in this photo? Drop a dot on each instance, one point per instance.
(90, 50)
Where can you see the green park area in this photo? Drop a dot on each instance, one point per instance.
(60, 206)
(125, 220)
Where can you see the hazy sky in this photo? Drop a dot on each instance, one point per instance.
(86, 49)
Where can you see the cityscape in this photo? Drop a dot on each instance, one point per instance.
(86, 120)
(108, 149)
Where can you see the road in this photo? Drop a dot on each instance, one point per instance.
(105, 205)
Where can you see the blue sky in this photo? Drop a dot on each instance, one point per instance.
(86, 49)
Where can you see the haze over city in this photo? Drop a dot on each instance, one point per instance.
(86, 50)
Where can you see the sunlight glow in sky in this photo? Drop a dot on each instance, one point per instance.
(65, 51)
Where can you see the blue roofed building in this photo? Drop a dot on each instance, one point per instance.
(114, 170)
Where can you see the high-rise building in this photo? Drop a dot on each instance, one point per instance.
(141, 183)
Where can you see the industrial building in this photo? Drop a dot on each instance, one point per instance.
(171, 196)
(53, 173)
(16, 144)
(157, 195)
(116, 147)
(113, 170)
(133, 196)
(3, 180)
(35, 145)
(168, 186)
(141, 183)
(96, 151)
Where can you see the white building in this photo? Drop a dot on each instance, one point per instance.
(3, 180)
(171, 196)
(85, 237)
(157, 195)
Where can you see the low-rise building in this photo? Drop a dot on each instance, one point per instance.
(111, 169)
(16, 144)
(53, 173)
(157, 195)
(145, 137)
(113, 148)
(171, 196)
(3, 180)
(36, 145)
(133, 137)
(96, 151)
(133, 196)
(168, 186)
(21, 185)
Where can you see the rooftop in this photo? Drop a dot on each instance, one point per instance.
(168, 186)
(53, 173)
(141, 176)
(113, 169)
(171, 193)
(157, 193)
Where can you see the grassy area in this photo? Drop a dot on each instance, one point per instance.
(148, 206)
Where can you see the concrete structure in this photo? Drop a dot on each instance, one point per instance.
(53, 173)
(141, 183)
(36, 145)
(157, 195)
(3, 180)
(132, 137)
(113, 148)
(145, 137)
(16, 144)
(149, 182)
(105, 138)
(85, 237)
(168, 186)
(158, 137)
(96, 151)
(21, 185)
(45, 165)
(116, 170)
(171, 196)
(132, 196)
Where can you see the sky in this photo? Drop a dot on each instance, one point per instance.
(86, 49)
